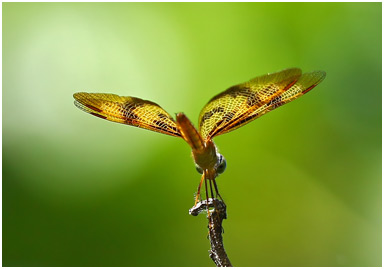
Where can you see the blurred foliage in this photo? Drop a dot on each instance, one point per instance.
(303, 183)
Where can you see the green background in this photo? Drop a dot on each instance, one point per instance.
(303, 183)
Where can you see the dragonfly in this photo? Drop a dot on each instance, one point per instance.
(225, 112)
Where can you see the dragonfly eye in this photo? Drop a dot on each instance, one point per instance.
(199, 169)
(222, 164)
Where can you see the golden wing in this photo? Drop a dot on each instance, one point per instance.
(127, 110)
(242, 103)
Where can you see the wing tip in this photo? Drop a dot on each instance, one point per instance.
(319, 73)
(318, 76)
(79, 95)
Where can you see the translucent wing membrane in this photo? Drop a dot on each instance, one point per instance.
(127, 110)
(245, 102)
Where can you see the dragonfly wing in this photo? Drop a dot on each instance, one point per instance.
(242, 103)
(127, 110)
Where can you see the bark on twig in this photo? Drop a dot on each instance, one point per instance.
(217, 213)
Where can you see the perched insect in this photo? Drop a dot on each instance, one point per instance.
(225, 112)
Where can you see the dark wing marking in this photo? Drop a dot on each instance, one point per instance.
(127, 110)
(242, 103)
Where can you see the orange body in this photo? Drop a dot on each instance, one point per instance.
(204, 152)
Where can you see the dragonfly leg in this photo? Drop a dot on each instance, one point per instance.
(213, 200)
(197, 198)
(207, 196)
(217, 190)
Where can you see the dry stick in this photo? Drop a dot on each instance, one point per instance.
(215, 218)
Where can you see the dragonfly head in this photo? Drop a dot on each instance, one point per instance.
(219, 166)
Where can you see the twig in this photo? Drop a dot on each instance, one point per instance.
(215, 219)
